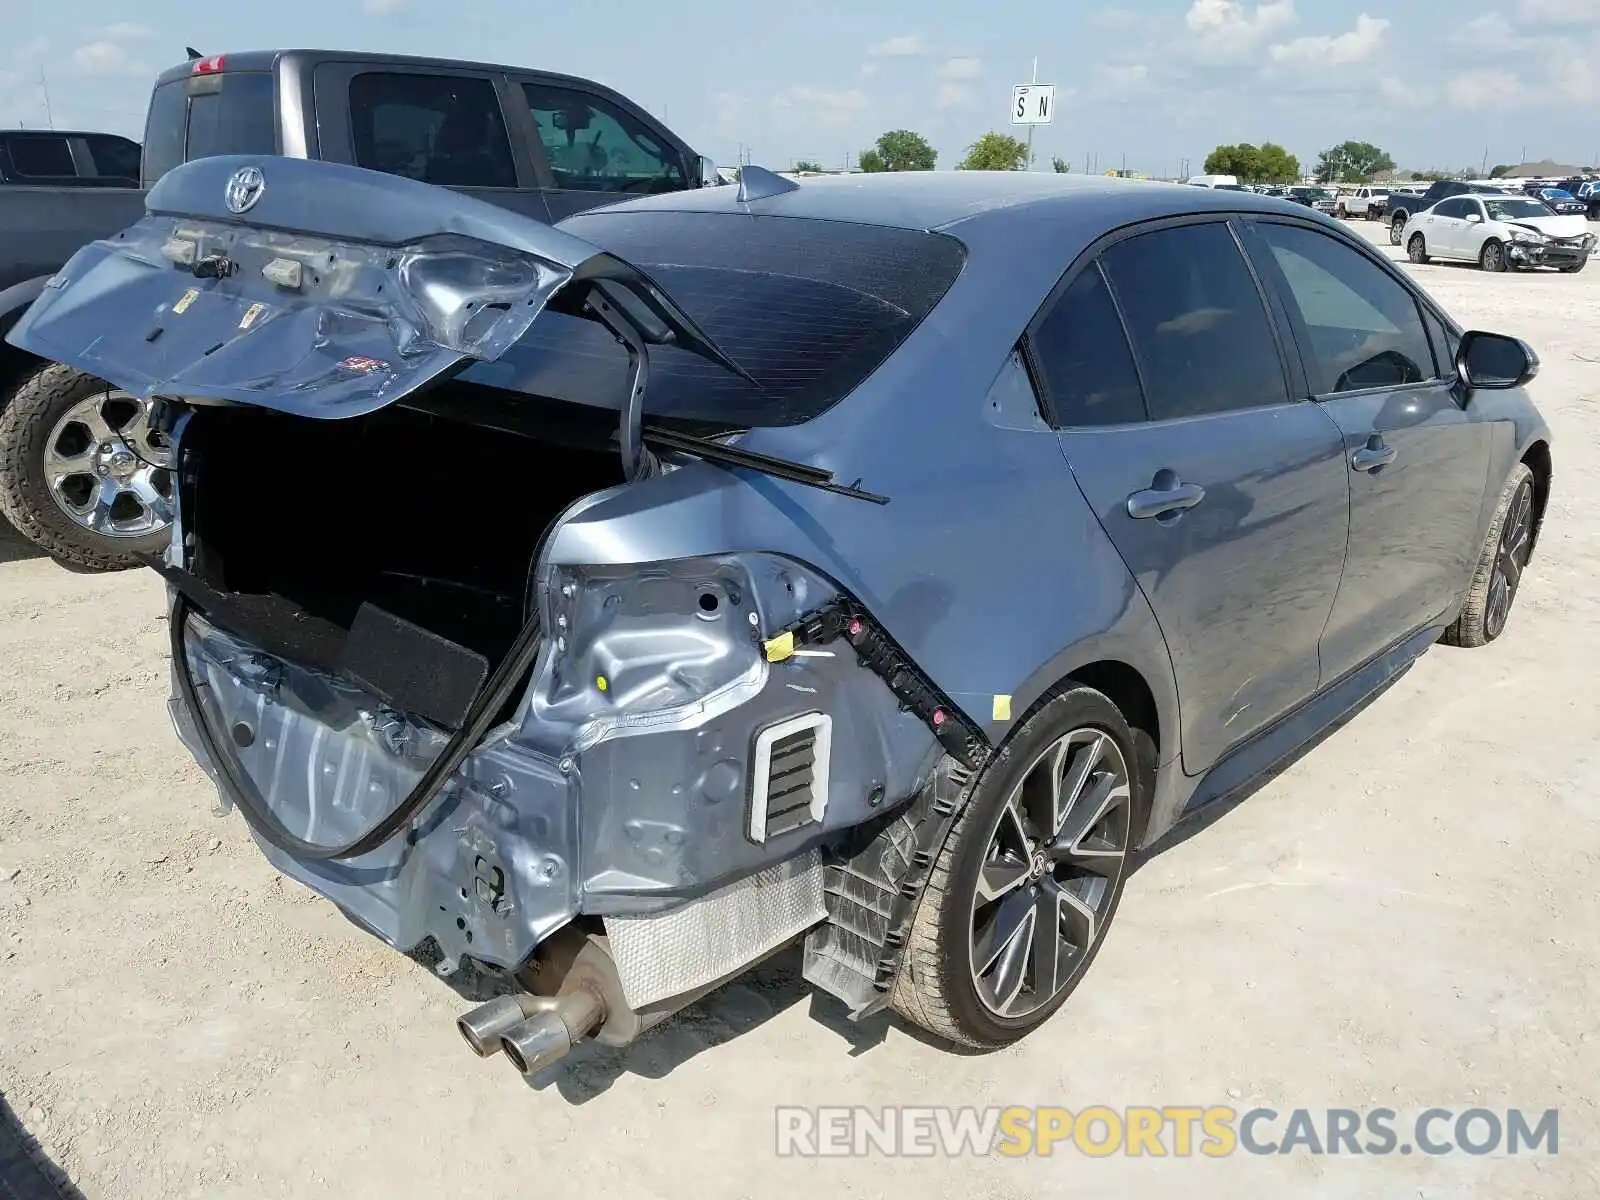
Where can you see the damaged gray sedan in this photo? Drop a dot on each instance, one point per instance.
(614, 604)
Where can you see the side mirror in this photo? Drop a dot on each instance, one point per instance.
(1494, 361)
(1473, 218)
(708, 173)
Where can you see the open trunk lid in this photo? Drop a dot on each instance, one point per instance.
(320, 289)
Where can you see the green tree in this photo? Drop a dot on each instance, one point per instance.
(805, 164)
(1351, 162)
(899, 150)
(1274, 164)
(995, 152)
(1242, 161)
(1060, 165)
(1500, 169)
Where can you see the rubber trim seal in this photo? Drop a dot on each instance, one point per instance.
(480, 716)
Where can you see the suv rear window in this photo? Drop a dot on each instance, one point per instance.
(809, 308)
(206, 115)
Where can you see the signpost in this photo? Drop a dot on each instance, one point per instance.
(1033, 104)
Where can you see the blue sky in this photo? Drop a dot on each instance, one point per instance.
(1435, 82)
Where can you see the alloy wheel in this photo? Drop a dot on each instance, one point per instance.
(1511, 556)
(108, 469)
(1492, 259)
(1050, 873)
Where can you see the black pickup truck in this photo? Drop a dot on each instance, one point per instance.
(1402, 206)
(82, 474)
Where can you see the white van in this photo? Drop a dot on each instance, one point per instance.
(1211, 181)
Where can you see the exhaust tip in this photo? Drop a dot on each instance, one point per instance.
(482, 1026)
(514, 1056)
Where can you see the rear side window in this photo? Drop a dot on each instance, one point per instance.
(1364, 327)
(115, 158)
(1196, 320)
(593, 145)
(808, 308)
(40, 156)
(207, 115)
(441, 129)
(1083, 355)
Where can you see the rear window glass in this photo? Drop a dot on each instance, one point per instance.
(40, 157)
(808, 308)
(209, 115)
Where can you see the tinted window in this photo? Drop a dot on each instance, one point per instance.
(164, 129)
(232, 114)
(1457, 206)
(1363, 324)
(596, 146)
(40, 157)
(1444, 346)
(808, 308)
(115, 158)
(443, 129)
(1196, 320)
(1081, 352)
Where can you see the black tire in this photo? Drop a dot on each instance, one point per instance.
(41, 400)
(1417, 250)
(1493, 256)
(1498, 575)
(1396, 228)
(937, 988)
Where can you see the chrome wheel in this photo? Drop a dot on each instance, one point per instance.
(1493, 259)
(1050, 874)
(108, 470)
(1511, 556)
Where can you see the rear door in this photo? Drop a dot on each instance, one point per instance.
(441, 125)
(1227, 500)
(596, 148)
(1416, 458)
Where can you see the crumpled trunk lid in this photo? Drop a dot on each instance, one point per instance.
(318, 289)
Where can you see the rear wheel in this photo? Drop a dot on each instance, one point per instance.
(1417, 249)
(1493, 256)
(82, 473)
(1020, 897)
(1396, 228)
(1498, 575)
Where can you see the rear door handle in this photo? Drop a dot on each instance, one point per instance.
(1156, 501)
(1373, 455)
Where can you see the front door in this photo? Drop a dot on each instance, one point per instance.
(1417, 459)
(1226, 499)
(1445, 227)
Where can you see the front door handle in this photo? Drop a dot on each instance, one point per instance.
(1373, 455)
(1158, 500)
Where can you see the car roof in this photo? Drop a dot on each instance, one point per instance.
(267, 60)
(952, 201)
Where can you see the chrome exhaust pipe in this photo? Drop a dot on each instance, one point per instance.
(544, 1039)
(482, 1027)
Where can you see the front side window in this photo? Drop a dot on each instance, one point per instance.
(596, 146)
(1363, 324)
(1196, 320)
(1457, 206)
(1083, 355)
(440, 129)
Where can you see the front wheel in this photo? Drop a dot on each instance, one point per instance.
(1492, 257)
(1019, 899)
(1417, 249)
(1498, 574)
(83, 475)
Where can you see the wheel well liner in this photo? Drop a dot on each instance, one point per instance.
(1537, 459)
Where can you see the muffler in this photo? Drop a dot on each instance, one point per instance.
(483, 1026)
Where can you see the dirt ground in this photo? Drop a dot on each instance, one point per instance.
(1406, 917)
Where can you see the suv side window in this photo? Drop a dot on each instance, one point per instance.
(1197, 322)
(596, 146)
(1363, 326)
(1081, 352)
(115, 157)
(41, 156)
(442, 129)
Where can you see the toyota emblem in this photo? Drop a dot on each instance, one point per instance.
(244, 189)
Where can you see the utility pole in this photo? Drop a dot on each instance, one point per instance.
(44, 87)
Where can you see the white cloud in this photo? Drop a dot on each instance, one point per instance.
(907, 46)
(824, 106)
(1227, 29)
(1485, 89)
(126, 31)
(1560, 12)
(101, 58)
(1121, 78)
(1360, 44)
(961, 68)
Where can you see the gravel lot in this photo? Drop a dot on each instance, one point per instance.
(1407, 917)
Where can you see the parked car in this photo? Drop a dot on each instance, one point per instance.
(1402, 206)
(82, 475)
(1562, 202)
(1320, 198)
(38, 158)
(1212, 181)
(665, 664)
(1499, 233)
(1367, 202)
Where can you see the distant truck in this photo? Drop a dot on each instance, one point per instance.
(82, 473)
(1368, 202)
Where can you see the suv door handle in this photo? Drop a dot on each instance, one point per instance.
(1174, 497)
(1373, 455)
